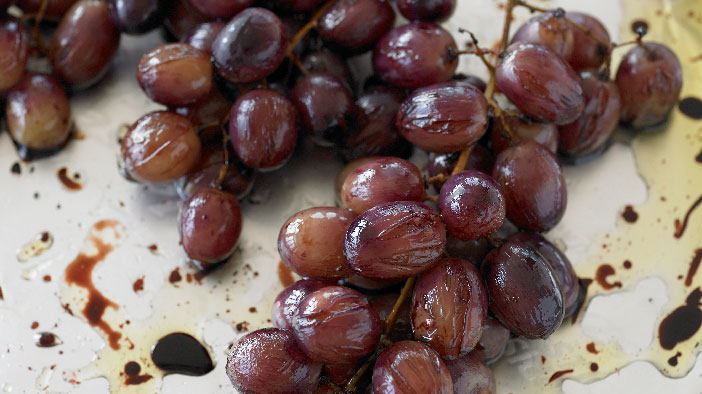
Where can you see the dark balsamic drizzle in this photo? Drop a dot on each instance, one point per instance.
(558, 374)
(182, 354)
(692, 107)
(683, 323)
(680, 227)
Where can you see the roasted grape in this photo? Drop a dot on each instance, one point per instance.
(426, 10)
(355, 25)
(209, 111)
(328, 62)
(136, 16)
(470, 375)
(590, 54)
(480, 159)
(411, 367)
(551, 30)
(219, 8)
(14, 51)
(523, 129)
(384, 304)
(288, 301)
(203, 35)
(344, 173)
(493, 341)
(181, 18)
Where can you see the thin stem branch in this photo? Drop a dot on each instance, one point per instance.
(225, 152)
(462, 160)
(438, 178)
(312, 23)
(35, 29)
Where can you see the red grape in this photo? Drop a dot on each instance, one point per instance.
(136, 16)
(493, 341)
(473, 250)
(411, 367)
(14, 51)
(328, 62)
(472, 80)
(426, 10)
(523, 129)
(210, 110)
(355, 25)
(551, 30)
(203, 35)
(590, 54)
(470, 375)
(344, 173)
(288, 301)
(299, 5)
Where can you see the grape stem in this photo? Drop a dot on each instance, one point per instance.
(438, 178)
(462, 160)
(225, 152)
(35, 29)
(312, 23)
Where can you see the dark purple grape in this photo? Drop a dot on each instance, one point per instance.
(14, 47)
(299, 5)
(533, 185)
(415, 55)
(160, 147)
(251, 46)
(594, 127)
(649, 79)
(524, 291)
(55, 9)
(480, 159)
(268, 361)
(471, 205)
(38, 113)
(84, 43)
(311, 242)
(523, 129)
(426, 10)
(559, 264)
(472, 80)
(210, 110)
(411, 367)
(288, 301)
(182, 17)
(203, 35)
(210, 225)
(395, 240)
(470, 375)
(136, 16)
(551, 30)
(220, 8)
(449, 304)
(590, 54)
(473, 250)
(443, 118)
(493, 341)
(325, 107)
(336, 325)
(328, 62)
(379, 181)
(540, 83)
(263, 129)
(355, 25)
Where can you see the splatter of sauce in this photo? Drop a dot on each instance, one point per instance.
(591, 348)
(680, 227)
(68, 182)
(138, 285)
(630, 215)
(285, 275)
(604, 271)
(181, 353)
(683, 323)
(558, 374)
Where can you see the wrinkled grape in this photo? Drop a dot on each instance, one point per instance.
(288, 301)
(14, 51)
(182, 17)
(411, 367)
(328, 62)
(470, 375)
(355, 25)
(590, 54)
(548, 29)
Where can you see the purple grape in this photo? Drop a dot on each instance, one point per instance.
(328, 62)
(548, 29)
(411, 367)
(493, 341)
(203, 35)
(181, 18)
(590, 54)
(523, 129)
(220, 8)
(299, 5)
(480, 159)
(14, 47)
(136, 16)
(470, 375)
(472, 80)
(355, 25)
(210, 110)
(55, 9)
(288, 301)
(426, 10)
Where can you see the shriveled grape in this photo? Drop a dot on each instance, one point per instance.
(551, 30)
(288, 301)
(411, 367)
(426, 10)
(355, 25)
(14, 51)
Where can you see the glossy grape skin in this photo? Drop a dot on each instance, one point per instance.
(470, 375)
(559, 262)
(471, 205)
(426, 10)
(379, 181)
(594, 127)
(523, 290)
(182, 17)
(354, 26)
(220, 8)
(208, 111)
(263, 129)
(210, 225)
(251, 46)
(136, 16)
(81, 59)
(38, 113)
(415, 55)
(493, 341)
(160, 147)
(325, 107)
(649, 79)
(395, 240)
(176, 75)
(268, 361)
(328, 62)
(449, 305)
(288, 301)
(540, 83)
(480, 159)
(336, 325)
(203, 35)
(55, 9)
(533, 185)
(549, 30)
(590, 54)
(523, 129)
(14, 51)
(344, 173)
(443, 118)
(411, 367)
(311, 242)
(340, 374)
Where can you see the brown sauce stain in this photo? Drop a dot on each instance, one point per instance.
(630, 215)
(285, 276)
(16, 169)
(694, 266)
(66, 180)
(604, 271)
(175, 276)
(680, 227)
(46, 339)
(673, 361)
(182, 354)
(153, 248)
(79, 272)
(543, 359)
(683, 323)
(47, 278)
(594, 367)
(132, 369)
(242, 326)
(2, 297)
(558, 374)
(35, 325)
(627, 264)
(138, 285)
(591, 348)
(253, 309)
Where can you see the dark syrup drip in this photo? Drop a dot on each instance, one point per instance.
(66, 180)
(46, 339)
(692, 107)
(630, 215)
(680, 227)
(603, 272)
(694, 266)
(132, 369)
(673, 361)
(182, 354)
(558, 374)
(681, 324)
(594, 367)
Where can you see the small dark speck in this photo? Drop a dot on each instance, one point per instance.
(31, 169)
(36, 195)
(16, 169)
(253, 309)
(58, 206)
(47, 278)
(76, 175)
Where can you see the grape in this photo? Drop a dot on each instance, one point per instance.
(336, 325)
(548, 29)
(14, 51)
(426, 10)
(523, 289)
(473, 250)
(395, 240)
(449, 304)
(443, 118)
(210, 225)
(470, 375)
(251, 46)
(559, 264)
(649, 79)
(84, 43)
(298, 5)
(471, 205)
(136, 16)
(379, 181)
(340, 373)
(480, 159)
(415, 55)
(210, 110)
(344, 173)
(38, 113)
(540, 83)
(328, 62)
(203, 35)
(493, 342)
(160, 147)
(590, 54)
(55, 9)
(311, 242)
(176, 75)
(182, 17)
(411, 367)
(472, 80)
(523, 129)
(268, 361)
(220, 8)
(533, 185)
(263, 129)
(325, 107)
(355, 25)
(288, 301)
(592, 130)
